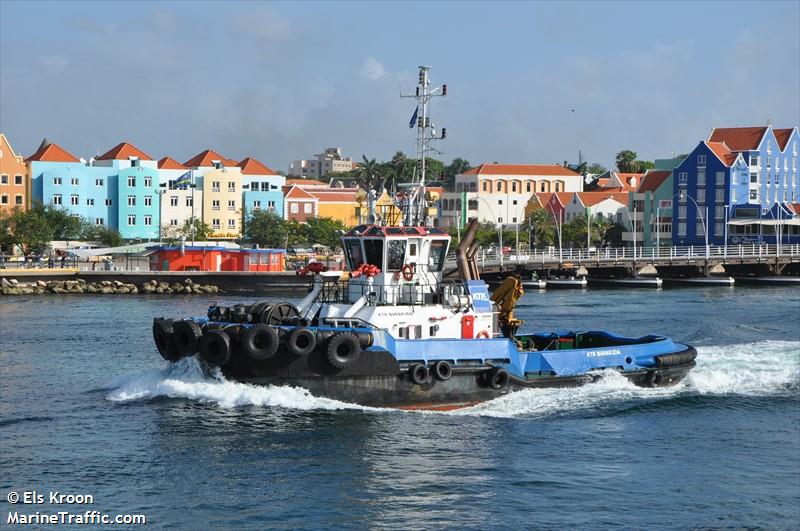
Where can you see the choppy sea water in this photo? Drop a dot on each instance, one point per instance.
(88, 406)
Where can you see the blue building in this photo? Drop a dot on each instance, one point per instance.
(263, 188)
(743, 182)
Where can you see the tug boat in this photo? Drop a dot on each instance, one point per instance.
(396, 333)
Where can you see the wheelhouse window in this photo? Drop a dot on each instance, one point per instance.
(396, 255)
(373, 250)
(437, 255)
(354, 256)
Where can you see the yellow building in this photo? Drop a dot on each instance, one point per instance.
(222, 198)
(337, 203)
(387, 211)
(14, 181)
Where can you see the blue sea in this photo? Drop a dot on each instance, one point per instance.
(88, 407)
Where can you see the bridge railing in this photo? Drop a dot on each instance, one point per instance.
(653, 254)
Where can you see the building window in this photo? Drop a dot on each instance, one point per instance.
(719, 212)
(148, 220)
(18, 200)
(514, 186)
(701, 177)
(682, 228)
(485, 186)
(99, 221)
(753, 195)
(148, 182)
(701, 195)
(109, 202)
(131, 200)
(499, 220)
(513, 220)
(514, 202)
(542, 186)
(231, 186)
(173, 223)
(754, 161)
(231, 205)
(189, 201)
(720, 177)
(74, 181)
(256, 205)
(148, 200)
(294, 208)
(57, 181)
(271, 206)
(90, 202)
(131, 220)
(98, 182)
(3, 179)
(307, 208)
(215, 204)
(215, 223)
(683, 177)
(499, 186)
(231, 223)
(215, 186)
(18, 180)
(701, 161)
(558, 186)
(733, 195)
(528, 187)
(682, 212)
(132, 182)
(265, 187)
(74, 199)
(499, 201)
(699, 228)
(173, 200)
(720, 195)
(753, 177)
(4, 199)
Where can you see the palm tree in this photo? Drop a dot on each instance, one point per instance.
(367, 173)
(542, 228)
(626, 161)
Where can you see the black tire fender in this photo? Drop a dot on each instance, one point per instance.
(497, 378)
(215, 348)
(442, 370)
(186, 335)
(301, 341)
(259, 342)
(654, 378)
(419, 373)
(165, 343)
(343, 350)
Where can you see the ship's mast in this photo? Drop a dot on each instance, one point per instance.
(416, 212)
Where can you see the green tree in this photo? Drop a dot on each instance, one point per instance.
(542, 228)
(27, 229)
(457, 167)
(367, 173)
(596, 169)
(106, 236)
(324, 231)
(194, 229)
(626, 161)
(265, 229)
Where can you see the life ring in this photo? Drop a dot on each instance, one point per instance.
(215, 348)
(301, 341)
(186, 334)
(483, 334)
(408, 272)
(343, 350)
(260, 342)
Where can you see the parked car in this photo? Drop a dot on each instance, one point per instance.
(313, 267)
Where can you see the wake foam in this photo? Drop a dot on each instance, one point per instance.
(751, 369)
(185, 379)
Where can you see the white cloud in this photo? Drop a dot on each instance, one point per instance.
(372, 69)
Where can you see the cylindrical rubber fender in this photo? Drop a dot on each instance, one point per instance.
(186, 335)
(442, 370)
(419, 373)
(343, 350)
(654, 378)
(497, 378)
(324, 335)
(162, 335)
(365, 339)
(255, 310)
(215, 348)
(301, 341)
(259, 342)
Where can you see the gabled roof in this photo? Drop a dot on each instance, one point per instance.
(783, 136)
(52, 153)
(123, 151)
(521, 169)
(5, 141)
(168, 163)
(251, 166)
(738, 138)
(590, 199)
(722, 152)
(339, 196)
(794, 207)
(652, 180)
(295, 192)
(206, 158)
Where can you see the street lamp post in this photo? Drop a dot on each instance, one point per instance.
(558, 228)
(702, 219)
(633, 227)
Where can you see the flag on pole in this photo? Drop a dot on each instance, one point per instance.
(413, 118)
(184, 180)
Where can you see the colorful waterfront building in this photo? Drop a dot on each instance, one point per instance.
(183, 199)
(216, 258)
(221, 182)
(650, 206)
(134, 179)
(303, 202)
(597, 205)
(499, 193)
(14, 179)
(263, 188)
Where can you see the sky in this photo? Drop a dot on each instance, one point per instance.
(528, 82)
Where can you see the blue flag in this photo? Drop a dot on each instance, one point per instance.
(184, 180)
(413, 118)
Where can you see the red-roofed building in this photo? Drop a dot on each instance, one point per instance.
(124, 151)
(598, 205)
(209, 159)
(342, 204)
(499, 193)
(14, 179)
(650, 206)
(49, 152)
(168, 163)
